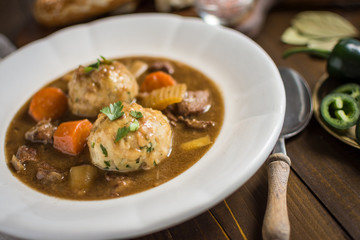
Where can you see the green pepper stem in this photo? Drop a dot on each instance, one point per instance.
(314, 51)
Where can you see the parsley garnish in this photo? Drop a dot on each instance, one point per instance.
(103, 149)
(150, 148)
(113, 111)
(92, 144)
(107, 163)
(105, 61)
(121, 133)
(134, 126)
(136, 114)
(95, 66)
(155, 164)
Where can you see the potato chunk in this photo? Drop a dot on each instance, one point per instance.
(196, 143)
(81, 178)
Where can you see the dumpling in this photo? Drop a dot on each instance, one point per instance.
(145, 142)
(90, 91)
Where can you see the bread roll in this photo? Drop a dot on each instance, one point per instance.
(54, 13)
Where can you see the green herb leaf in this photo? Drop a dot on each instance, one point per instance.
(94, 66)
(136, 114)
(88, 69)
(92, 144)
(134, 126)
(107, 163)
(121, 133)
(114, 111)
(103, 149)
(125, 130)
(155, 164)
(149, 148)
(105, 61)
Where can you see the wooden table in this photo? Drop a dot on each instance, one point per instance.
(324, 184)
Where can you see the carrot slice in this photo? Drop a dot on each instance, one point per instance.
(156, 80)
(70, 137)
(48, 103)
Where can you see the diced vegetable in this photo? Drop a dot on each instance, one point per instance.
(48, 103)
(161, 98)
(138, 67)
(156, 80)
(357, 131)
(81, 178)
(351, 89)
(70, 137)
(339, 110)
(196, 143)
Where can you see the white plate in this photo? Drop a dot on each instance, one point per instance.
(254, 112)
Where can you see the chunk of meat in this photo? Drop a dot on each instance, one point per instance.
(164, 66)
(189, 121)
(198, 124)
(23, 155)
(16, 163)
(48, 173)
(42, 132)
(118, 183)
(170, 115)
(194, 102)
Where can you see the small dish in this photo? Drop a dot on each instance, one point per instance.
(323, 87)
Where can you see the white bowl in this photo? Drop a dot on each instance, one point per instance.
(254, 112)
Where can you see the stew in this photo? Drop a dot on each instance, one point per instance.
(77, 153)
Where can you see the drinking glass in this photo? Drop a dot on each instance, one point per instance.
(223, 12)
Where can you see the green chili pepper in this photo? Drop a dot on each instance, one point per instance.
(343, 62)
(357, 131)
(339, 110)
(351, 89)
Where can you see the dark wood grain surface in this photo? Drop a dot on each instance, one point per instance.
(324, 184)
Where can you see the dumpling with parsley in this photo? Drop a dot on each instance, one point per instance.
(127, 137)
(97, 85)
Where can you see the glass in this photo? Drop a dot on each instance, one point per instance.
(223, 12)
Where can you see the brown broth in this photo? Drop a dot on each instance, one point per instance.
(141, 180)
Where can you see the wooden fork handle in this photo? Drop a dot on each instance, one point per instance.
(276, 221)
